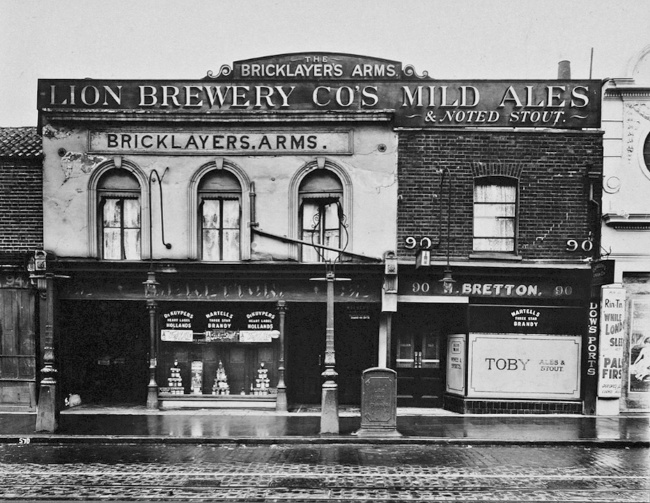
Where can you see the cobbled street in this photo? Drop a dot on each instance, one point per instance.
(327, 472)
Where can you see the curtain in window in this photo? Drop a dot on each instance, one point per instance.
(494, 216)
(320, 225)
(220, 229)
(121, 228)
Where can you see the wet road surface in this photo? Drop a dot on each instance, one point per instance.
(324, 472)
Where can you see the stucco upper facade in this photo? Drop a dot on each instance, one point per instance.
(626, 215)
(367, 173)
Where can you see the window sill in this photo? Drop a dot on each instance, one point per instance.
(495, 256)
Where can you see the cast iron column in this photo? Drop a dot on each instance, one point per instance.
(47, 410)
(329, 419)
(281, 401)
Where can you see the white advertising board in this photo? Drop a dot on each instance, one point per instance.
(524, 366)
(176, 335)
(612, 331)
(456, 364)
(257, 335)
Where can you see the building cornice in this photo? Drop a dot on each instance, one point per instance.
(631, 221)
(79, 115)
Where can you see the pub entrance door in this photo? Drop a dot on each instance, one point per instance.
(356, 331)
(103, 355)
(419, 351)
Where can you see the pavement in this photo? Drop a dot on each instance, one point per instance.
(91, 424)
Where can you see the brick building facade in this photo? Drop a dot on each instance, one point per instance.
(552, 170)
(540, 270)
(21, 234)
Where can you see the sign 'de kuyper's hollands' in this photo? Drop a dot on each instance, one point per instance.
(314, 82)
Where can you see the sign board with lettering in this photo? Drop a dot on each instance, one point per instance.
(260, 320)
(177, 319)
(524, 366)
(456, 364)
(221, 336)
(526, 319)
(123, 287)
(220, 143)
(565, 287)
(328, 82)
(612, 330)
(219, 320)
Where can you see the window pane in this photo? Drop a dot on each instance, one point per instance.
(494, 210)
(331, 216)
(132, 244)
(131, 213)
(310, 216)
(231, 245)
(112, 212)
(211, 245)
(211, 213)
(112, 244)
(489, 227)
(497, 245)
(230, 214)
(495, 193)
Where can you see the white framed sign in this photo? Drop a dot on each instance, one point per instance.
(176, 335)
(522, 366)
(456, 364)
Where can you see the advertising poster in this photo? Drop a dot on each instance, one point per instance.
(197, 377)
(640, 346)
(524, 366)
(610, 354)
(456, 364)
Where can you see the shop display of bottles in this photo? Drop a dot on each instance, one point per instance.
(261, 382)
(220, 386)
(175, 382)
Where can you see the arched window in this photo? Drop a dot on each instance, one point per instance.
(119, 219)
(219, 205)
(321, 215)
(495, 206)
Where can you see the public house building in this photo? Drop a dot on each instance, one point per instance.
(222, 242)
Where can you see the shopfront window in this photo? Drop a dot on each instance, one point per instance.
(119, 215)
(321, 216)
(495, 204)
(219, 217)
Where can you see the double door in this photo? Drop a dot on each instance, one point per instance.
(420, 377)
(419, 335)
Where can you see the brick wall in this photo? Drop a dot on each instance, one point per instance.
(553, 190)
(21, 205)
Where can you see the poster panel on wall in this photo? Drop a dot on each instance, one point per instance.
(640, 346)
(456, 364)
(610, 354)
(524, 366)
